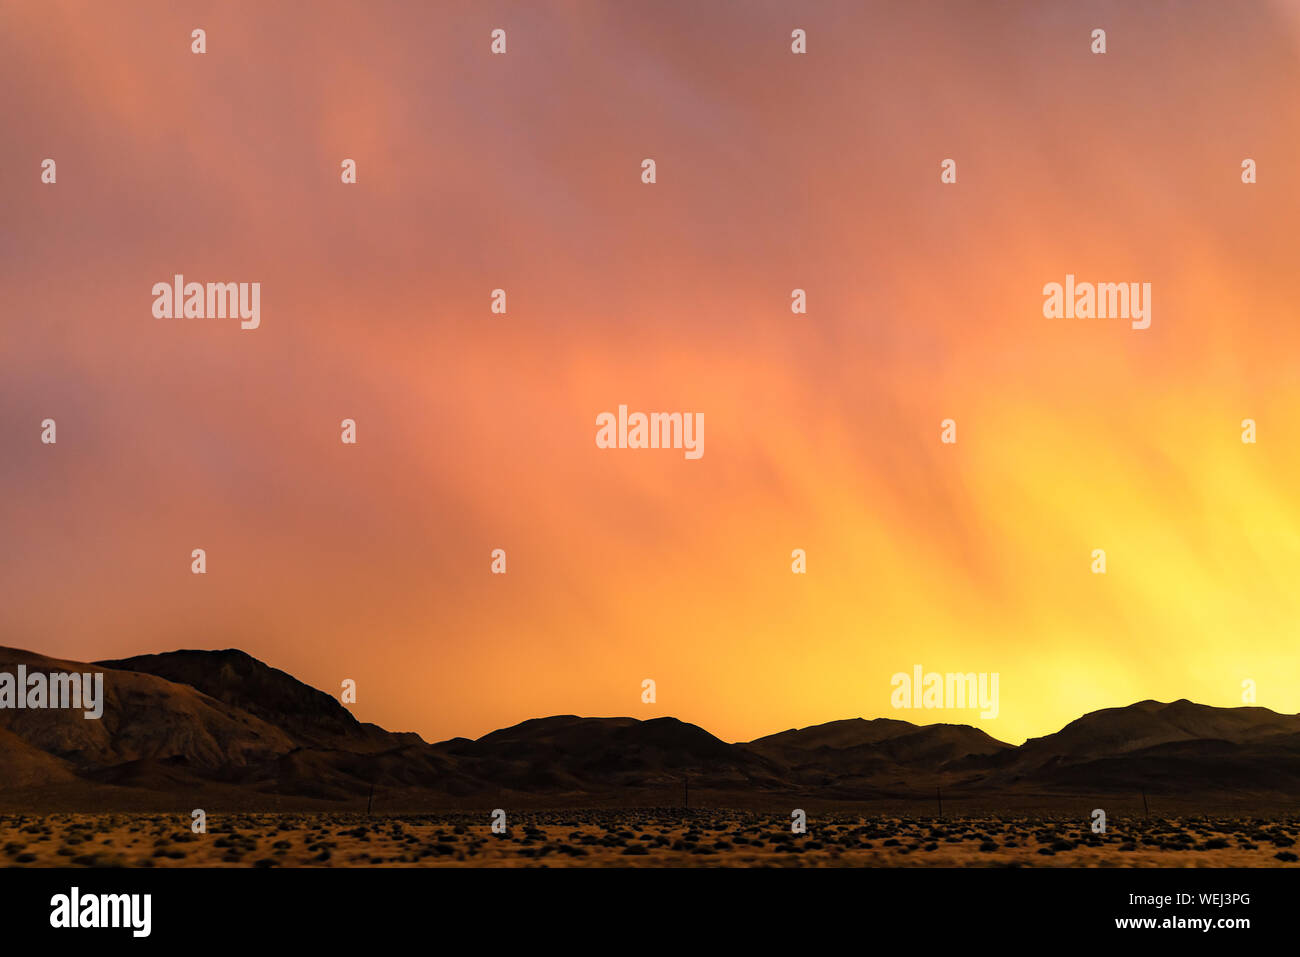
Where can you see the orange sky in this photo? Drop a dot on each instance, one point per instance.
(476, 431)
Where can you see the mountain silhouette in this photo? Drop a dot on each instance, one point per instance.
(310, 717)
(221, 727)
(1159, 746)
(934, 745)
(580, 753)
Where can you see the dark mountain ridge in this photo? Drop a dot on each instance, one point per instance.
(311, 717)
(224, 725)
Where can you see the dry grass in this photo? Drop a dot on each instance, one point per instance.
(637, 838)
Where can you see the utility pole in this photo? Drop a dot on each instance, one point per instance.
(370, 800)
(939, 792)
(1146, 812)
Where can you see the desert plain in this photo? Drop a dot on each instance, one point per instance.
(630, 837)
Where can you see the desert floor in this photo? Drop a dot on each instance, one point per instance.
(637, 838)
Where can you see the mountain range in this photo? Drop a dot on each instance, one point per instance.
(222, 729)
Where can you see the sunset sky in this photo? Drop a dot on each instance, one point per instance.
(476, 431)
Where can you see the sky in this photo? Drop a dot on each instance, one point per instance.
(475, 431)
